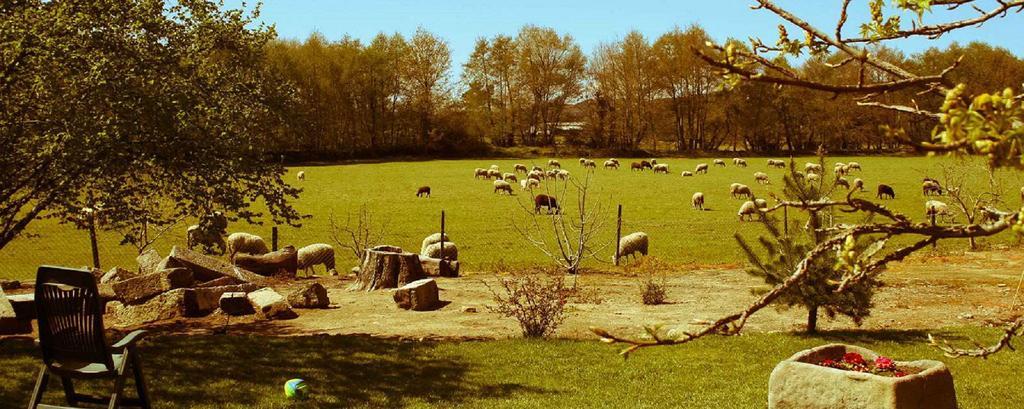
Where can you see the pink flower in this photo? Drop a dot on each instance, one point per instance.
(829, 363)
(884, 363)
(899, 374)
(853, 358)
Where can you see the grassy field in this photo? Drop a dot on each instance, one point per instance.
(229, 371)
(480, 222)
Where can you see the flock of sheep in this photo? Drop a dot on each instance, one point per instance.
(212, 235)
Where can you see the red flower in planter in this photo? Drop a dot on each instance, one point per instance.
(854, 358)
(899, 374)
(829, 363)
(885, 364)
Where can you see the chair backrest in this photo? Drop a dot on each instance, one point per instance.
(70, 317)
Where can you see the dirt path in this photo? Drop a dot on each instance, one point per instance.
(923, 293)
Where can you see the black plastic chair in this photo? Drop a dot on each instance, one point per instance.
(73, 343)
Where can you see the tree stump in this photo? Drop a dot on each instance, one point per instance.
(387, 267)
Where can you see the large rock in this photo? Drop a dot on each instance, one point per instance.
(419, 295)
(235, 304)
(24, 305)
(436, 267)
(117, 274)
(220, 282)
(202, 301)
(139, 289)
(283, 261)
(270, 305)
(799, 382)
(312, 295)
(149, 261)
(168, 305)
(208, 268)
(9, 322)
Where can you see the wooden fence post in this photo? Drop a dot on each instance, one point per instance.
(273, 237)
(934, 243)
(618, 235)
(785, 220)
(442, 235)
(93, 243)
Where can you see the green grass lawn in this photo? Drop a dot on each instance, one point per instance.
(480, 222)
(355, 371)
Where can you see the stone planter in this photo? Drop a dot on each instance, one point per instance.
(799, 382)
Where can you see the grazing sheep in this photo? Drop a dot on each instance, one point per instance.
(538, 168)
(810, 167)
(614, 160)
(853, 166)
(582, 161)
(885, 192)
(631, 244)
(519, 167)
(701, 168)
(740, 162)
(431, 239)
(761, 203)
(799, 175)
(813, 178)
(748, 209)
(589, 164)
(529, 183)
(841, 181)
(636, 166)
(738, 190)
(858, 184)
(697, 201)
(762, 178)
(502, 186)
(314, 254)
(481, 173)
(209, 232)
(551, 174)
(423, 191)
(661, 168)
(776, 163)
(301, 175)
(495, 167)
(450, 251)
(549, 202)
(841, 170)
(647, 164)
(937, 208)
(930, 187)
(718, 162)
(535, 174)
(687, 173)
(611, 164)
(246, 243)
(562, 174)
(510, 177)
(554, 163)
(493, 174)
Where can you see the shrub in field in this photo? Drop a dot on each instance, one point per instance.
(650, 272)
(536, 300)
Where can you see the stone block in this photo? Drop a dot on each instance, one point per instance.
(419, 295)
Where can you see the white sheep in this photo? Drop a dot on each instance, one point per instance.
(937, 208)
(519, 167)
(450, 252)
(739, 190)
(314, 254)
(554, 163)
(493, 174)
(762, 178)
(301, 175)
(538, 168)
(481, 173)
(853, 166)
(813, 178)
(495, 167)
(740, 162)
(761, 203)
(748, 209)
(776, 163)
(590, 164)
(687, 173)
(631, 244)
(701, 168)
(502, 186)
(583, 160)
(841, 181)
(431, 239)
(561, 174)
(535, 174)
(661, 168)
(240, 242)
(529, 183)
(611, 164)
(697, 201)
(858, 184)
(509, 177)
(718, 162)
(551, 174)
(810, 167)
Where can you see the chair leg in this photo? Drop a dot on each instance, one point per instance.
(37, 394)
(115, 397)
(69, 391)
(140, 381)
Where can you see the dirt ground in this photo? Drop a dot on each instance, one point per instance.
(926, 292)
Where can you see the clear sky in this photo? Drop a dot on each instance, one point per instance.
(591, 22)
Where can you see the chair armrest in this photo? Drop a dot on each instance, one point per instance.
(130, 339)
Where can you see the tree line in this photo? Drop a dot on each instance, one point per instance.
(539, 89)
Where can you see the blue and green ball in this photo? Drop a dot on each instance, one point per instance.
(296, 389)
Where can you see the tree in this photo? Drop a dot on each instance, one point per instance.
(169, 103)
(551, 69)
(688, 82)
(623, 73)
(426, 74)
(783, 251)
